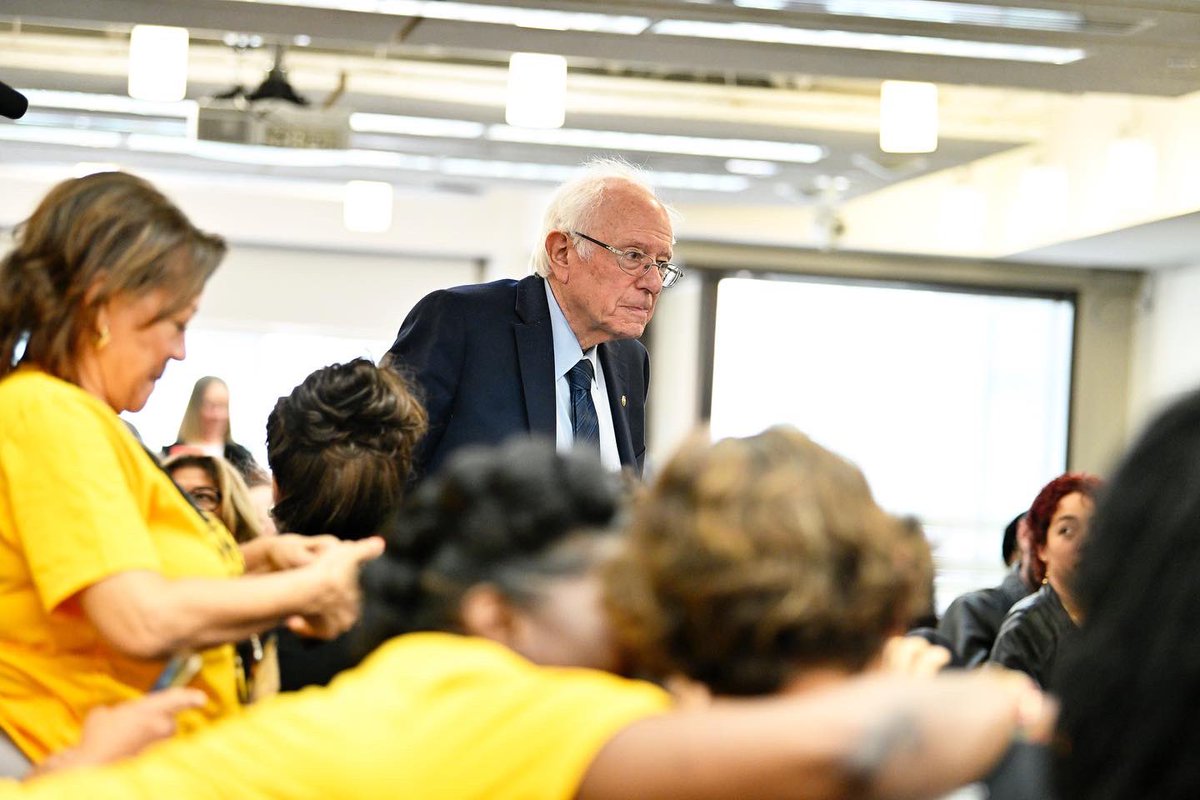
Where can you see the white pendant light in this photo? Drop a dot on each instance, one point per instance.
(158, 63)
(537, 91)
(367, 206)
(908, 117)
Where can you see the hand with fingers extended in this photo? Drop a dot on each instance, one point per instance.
(336, 599)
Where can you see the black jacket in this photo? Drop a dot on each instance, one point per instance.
(972, 621)
(1032, 635)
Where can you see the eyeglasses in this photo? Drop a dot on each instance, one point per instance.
(635, 262)
(205, 499)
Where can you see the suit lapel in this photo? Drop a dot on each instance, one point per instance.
(535, 354)
(617, 383)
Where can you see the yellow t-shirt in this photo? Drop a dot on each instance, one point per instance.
(428, 715)
(81, 500)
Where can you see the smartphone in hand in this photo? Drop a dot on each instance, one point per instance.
(179, 671)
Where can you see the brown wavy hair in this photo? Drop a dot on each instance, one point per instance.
(340, 448)
(89, 240)
(751, 560)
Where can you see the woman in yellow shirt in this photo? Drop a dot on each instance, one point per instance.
(106, 569)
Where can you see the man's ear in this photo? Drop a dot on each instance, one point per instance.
(275, 494)
(485, 612)
(558, 248)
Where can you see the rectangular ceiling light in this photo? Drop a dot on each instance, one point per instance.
(908, 117)
(792, 152)
(158, 63)
(108, 103)
(537, 91)
(1030, 19)
(944, 13)
(548, 19)
(853, 40)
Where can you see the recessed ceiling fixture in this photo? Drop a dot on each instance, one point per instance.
(537, 91)
(908, 117)
(158, 63)
(854, 40)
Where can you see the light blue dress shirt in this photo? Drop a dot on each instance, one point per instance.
(567, 353)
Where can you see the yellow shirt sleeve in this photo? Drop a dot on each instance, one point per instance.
(433, 716)
(76, 520)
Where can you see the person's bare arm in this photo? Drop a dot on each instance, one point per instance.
(876, 737)
(146, 615)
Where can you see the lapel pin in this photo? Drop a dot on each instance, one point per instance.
(622, 401)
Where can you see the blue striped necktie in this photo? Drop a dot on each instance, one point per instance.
(584, 424)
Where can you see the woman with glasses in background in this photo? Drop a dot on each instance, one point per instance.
(216, 487)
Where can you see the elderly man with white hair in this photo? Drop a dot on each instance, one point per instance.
(554, 353)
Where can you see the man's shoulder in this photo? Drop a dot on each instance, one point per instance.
(504, 287)
(475, 298)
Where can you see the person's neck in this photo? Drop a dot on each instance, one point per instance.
(586, 340)
(87, 376)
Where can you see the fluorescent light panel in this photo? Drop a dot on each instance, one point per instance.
(852, 40)
(943, 13)
(108, 103)
(548, 19)
(1032, 19)
(793, 152)
(416, 126)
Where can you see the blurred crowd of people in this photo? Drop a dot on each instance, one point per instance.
(480, 609)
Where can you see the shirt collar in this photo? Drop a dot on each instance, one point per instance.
(567, 351)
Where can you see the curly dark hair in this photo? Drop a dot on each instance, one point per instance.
(1130, 683)
(1046, 503)
(753, 559)
(89, 240)
(510, 516)
(340, 447)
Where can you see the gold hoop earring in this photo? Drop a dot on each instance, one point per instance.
(102, 337)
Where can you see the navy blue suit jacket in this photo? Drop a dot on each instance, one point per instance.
(482, 358)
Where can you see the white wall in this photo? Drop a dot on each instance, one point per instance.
(1167, 341)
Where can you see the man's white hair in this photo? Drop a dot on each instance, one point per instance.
(575, 204)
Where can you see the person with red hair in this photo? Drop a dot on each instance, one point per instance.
(1031, 634)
